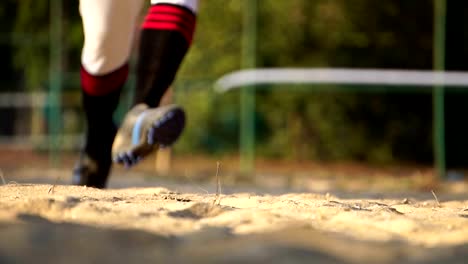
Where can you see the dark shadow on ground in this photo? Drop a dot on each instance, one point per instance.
(34, 239)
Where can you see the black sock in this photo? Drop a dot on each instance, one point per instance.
(100, 98)
(165, 38)
(100, 126)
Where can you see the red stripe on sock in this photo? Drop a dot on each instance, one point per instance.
(170, 17)
(172, 9)
(189, 17)
(99, 85)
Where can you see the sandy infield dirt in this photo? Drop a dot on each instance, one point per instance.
(44, 223)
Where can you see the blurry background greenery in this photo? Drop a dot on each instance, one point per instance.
(292, 122)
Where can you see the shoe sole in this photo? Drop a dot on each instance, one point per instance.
(167, 129)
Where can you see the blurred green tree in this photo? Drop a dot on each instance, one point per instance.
(324, 33)
(292, 123)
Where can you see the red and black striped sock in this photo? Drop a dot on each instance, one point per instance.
(171, 18)
(165, 39)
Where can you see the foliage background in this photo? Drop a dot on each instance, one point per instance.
(292, 122)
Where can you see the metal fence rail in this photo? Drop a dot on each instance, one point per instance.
(419, 80)
(275, 76)
(39, 137)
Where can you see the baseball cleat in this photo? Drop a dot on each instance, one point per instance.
(90, 172)
(146, 129)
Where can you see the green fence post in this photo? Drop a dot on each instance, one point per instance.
(438, 95)
(247, 95)
(55, 79)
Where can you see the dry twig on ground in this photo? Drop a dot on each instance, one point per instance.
(217, 199)
(52, 188)
(435, 197)
(1, 176)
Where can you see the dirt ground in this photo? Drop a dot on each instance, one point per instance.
(321, 219)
